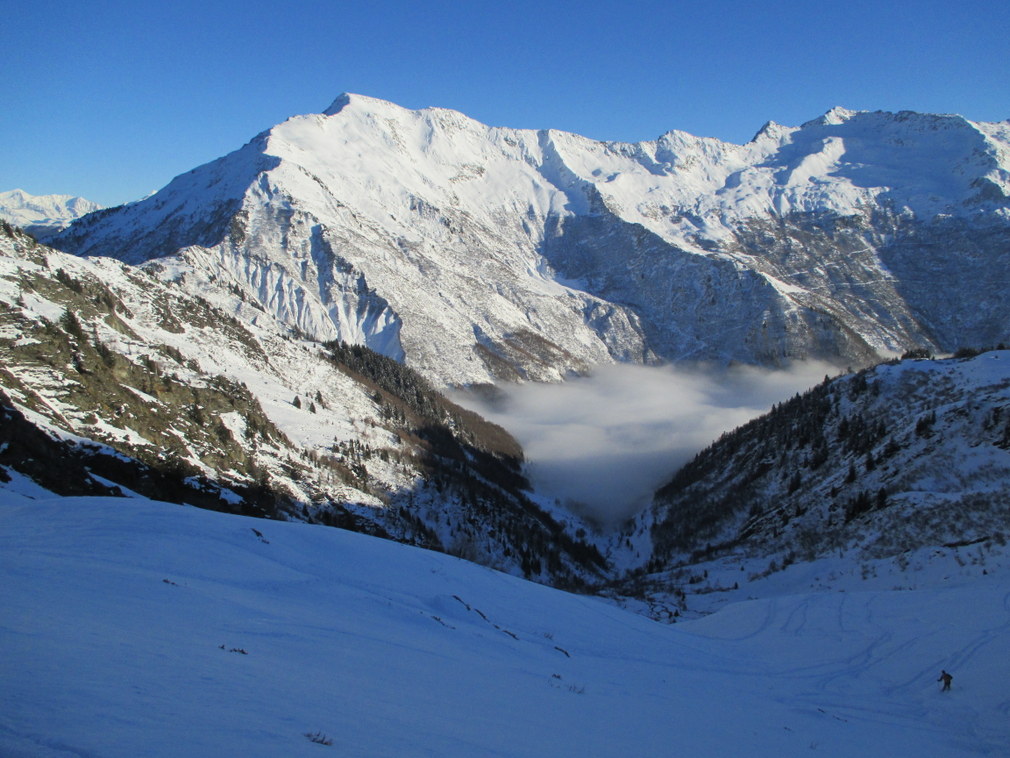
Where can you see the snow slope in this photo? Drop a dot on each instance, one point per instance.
(138, 628)
(477, 252)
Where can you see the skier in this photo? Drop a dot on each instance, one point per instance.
(945, 678)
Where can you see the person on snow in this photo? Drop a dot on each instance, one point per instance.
(946, 679)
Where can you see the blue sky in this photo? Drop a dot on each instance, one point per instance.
(110, 100)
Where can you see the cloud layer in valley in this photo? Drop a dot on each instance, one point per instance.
(602, 444)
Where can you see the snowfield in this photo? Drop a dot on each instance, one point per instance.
(136, 628)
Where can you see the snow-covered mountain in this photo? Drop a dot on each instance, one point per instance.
(113, 381)
(113, 361)
(477, 253)
(226, 360)
(43, 215)
(136, 628)
(880, 465)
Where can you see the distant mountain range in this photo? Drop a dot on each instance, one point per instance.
(43, 215)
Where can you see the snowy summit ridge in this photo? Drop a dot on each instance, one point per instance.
(477, 253)
(835, 116)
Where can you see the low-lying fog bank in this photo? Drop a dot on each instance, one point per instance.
(602, 444)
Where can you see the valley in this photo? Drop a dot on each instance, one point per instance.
(603, 431)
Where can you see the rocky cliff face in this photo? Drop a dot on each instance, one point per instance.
(476, 253)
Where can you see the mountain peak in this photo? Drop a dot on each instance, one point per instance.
(343, 100)
(771, 129)
(838, 115)
(833, 117)
(346, 99)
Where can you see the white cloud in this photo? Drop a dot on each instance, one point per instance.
(602, 444)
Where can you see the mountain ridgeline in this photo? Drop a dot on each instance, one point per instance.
(477, 253)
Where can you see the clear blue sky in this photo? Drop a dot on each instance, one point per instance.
(110, 100)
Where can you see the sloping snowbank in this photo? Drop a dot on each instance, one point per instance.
(137, 628)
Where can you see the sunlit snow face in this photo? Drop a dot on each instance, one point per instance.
(602, 444)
